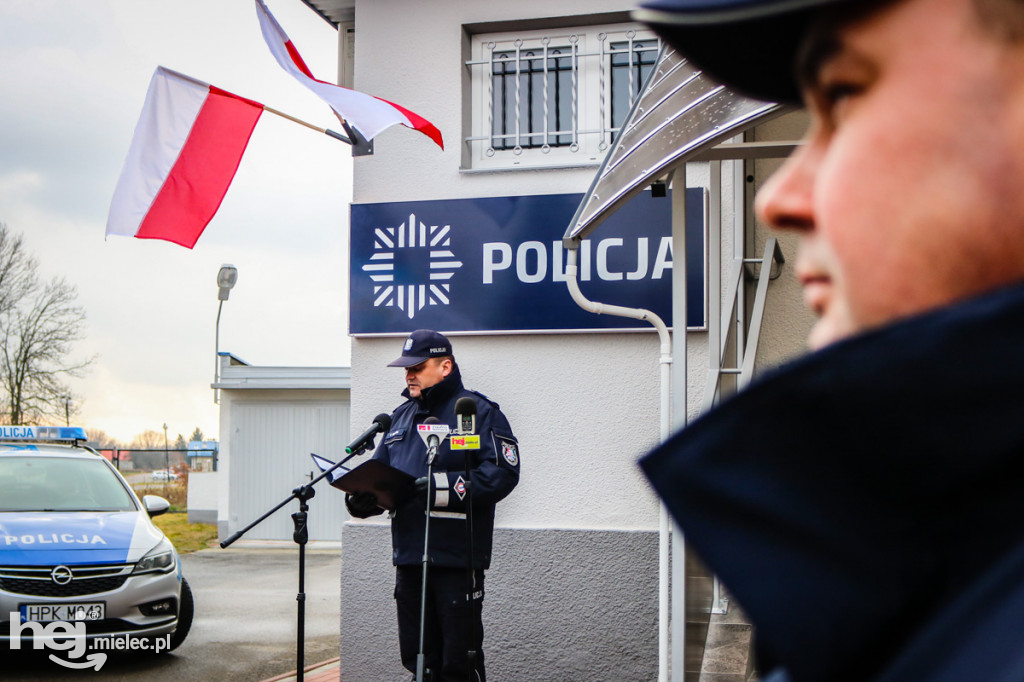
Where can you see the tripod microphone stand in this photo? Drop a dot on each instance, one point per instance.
(303, 494)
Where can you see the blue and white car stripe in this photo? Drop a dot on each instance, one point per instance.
(75, 538)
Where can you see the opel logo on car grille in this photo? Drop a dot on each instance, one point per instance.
(61, 575)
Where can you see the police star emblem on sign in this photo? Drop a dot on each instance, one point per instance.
(412, 265)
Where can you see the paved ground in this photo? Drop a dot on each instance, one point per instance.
(245, 622)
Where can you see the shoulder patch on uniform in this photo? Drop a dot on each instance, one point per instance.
(509, 450)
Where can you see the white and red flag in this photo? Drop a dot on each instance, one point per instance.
(368, 114)
(184, 154)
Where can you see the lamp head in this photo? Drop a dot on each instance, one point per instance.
(226, 278)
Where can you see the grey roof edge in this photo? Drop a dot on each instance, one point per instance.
(247, 377)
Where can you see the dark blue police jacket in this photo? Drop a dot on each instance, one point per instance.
(865, 504)
(495, 472)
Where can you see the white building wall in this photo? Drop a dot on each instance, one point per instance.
(202, 497)
(583, 407)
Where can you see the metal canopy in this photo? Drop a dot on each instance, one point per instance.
(333, 12)
(679, 115)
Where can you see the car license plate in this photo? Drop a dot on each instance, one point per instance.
(47, 613)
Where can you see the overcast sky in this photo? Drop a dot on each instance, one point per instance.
(73, 77)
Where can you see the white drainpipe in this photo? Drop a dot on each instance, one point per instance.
(664, 542)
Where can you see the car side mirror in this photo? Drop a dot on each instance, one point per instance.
(155, 505)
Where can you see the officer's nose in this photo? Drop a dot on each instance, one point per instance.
(786, 200)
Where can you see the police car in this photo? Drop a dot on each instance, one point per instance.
(77, 545)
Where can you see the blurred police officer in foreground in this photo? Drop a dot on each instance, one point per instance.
(866, 503)
(453, 627)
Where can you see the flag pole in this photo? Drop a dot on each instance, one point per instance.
(325, 131)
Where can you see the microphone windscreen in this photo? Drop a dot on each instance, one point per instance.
(383, 421)
(431, 420)
(465, 406)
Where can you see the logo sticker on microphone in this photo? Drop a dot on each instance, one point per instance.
(465, 442)
(428, 430)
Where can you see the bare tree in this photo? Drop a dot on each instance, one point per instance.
(101, 440)
(17, 270)
(36, 341)
(39, 324)
(148, 440)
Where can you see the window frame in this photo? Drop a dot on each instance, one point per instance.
(592, 133)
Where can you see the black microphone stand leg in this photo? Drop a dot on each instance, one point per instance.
(301, 536)
(422, 675)
(471, 587)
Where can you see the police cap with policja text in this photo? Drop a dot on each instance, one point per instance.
(422, 345)
(749, 45)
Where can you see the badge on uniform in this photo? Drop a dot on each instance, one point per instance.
(510, 451)
(460, 488)
(396, 435)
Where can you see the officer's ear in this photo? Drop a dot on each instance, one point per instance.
(446, 365)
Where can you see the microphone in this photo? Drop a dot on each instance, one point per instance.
(381, 422)
(433, 440)
(465, 411)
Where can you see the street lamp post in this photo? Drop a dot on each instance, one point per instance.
(167, 457)
(226, 278)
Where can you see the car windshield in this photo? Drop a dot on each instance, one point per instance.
(43, 483)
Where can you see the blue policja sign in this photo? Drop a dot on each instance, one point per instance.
(497, 264)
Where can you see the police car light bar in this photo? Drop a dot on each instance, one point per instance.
(42, 433)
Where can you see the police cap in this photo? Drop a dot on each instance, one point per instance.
(421, 345)
(749, 45)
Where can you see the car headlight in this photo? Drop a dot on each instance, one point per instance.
(159, 560)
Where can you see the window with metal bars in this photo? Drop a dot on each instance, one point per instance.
(554, 98)
(631, 63)
(532, 103)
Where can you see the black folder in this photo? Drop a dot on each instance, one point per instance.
(391, 486)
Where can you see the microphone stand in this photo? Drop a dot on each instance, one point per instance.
(470, 573)
(465, 414)
(421, 656)
(303, 494)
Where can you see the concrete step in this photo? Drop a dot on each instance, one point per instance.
(728, 655)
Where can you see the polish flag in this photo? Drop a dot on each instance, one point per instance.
(185, 151)
(368, 114)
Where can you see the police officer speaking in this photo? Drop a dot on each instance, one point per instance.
(454, 591)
